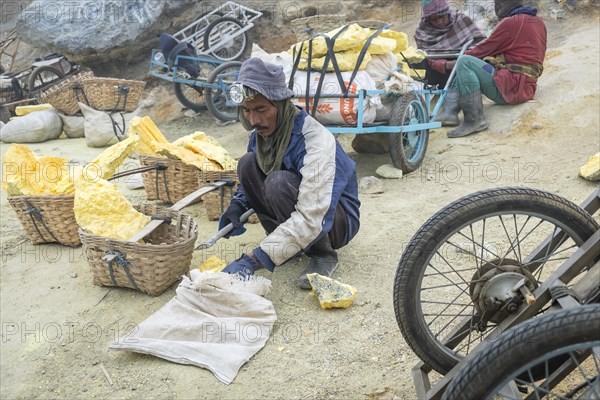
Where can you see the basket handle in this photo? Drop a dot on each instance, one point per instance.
(186, 201)
(158, 166)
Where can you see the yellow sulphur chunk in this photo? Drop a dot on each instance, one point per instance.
(148, 133)
(109, 160)
(209, 147)
(24, 110)
(400, 38)
(352, 37)
(346, 62)
(188, 157)
(331, 293)
(101, 210)
(21, 172)
(212, 264)
(591, 169)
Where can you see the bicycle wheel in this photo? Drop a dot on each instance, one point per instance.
(407, 149)
(454, 281)
(216, 98)
(43, 77)
(227, 29)
(193, 96)
(572, 335)
(190, 96)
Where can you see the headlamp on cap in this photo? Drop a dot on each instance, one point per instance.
(238, 93)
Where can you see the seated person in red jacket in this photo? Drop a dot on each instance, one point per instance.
(443, 30)
(504, 67)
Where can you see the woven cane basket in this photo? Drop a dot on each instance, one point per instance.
(47, 219)
(170, 184)
(65, 95)
(150, 267)
(108, 94)
(217, 201)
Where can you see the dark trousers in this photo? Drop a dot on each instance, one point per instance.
(273, 197)
(432, 77)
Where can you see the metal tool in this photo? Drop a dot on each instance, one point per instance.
(222, 232)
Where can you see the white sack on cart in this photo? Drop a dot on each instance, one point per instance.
(284, 59)
(337, 111)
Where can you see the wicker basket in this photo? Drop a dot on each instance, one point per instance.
(151, 267)
(110, 94)
(171, 184)
(216, 202)
(47, 219)
(65, 95)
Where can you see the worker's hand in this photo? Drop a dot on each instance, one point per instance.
(232, 215)
(450, 64)
(244, 266)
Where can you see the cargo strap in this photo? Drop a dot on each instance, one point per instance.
(162, 168)
(118, 130)
(115, 257)
(77, 88)
(123, 93)
(36, 217)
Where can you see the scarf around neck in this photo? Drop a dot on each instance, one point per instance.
(460, 29)
(271, 150)
(523, 10)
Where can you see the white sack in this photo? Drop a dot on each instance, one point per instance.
(73, 126)
(98, 126)
(217, 321)
(35, 127)
(285, 59)
(337, 111)
(381, 67)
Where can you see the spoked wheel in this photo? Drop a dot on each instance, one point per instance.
(456, 277)
(43, 77)
(571, 335)
(407, 149)
(193, 96)
(227, 29)
(206, 18)
(216, 98)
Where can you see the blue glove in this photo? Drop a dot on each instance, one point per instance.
(244, 266)
(232, 215)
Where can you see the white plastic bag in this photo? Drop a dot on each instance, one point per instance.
(339, 111)
(35, 127)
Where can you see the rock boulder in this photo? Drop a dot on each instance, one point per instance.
(102, 31)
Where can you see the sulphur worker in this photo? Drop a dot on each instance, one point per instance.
(295, 175)
(443, 30)
(505, 67)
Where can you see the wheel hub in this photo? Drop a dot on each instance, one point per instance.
(492, 286)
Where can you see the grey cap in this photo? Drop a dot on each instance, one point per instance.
(266, 78)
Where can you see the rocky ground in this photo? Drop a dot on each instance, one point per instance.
(56, 325)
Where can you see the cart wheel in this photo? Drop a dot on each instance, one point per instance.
(190, 96)
(532, 346)
(43, 77)
(206, 20)
(226, 28)
(216, 98)
(451, 279)
(407, 149)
